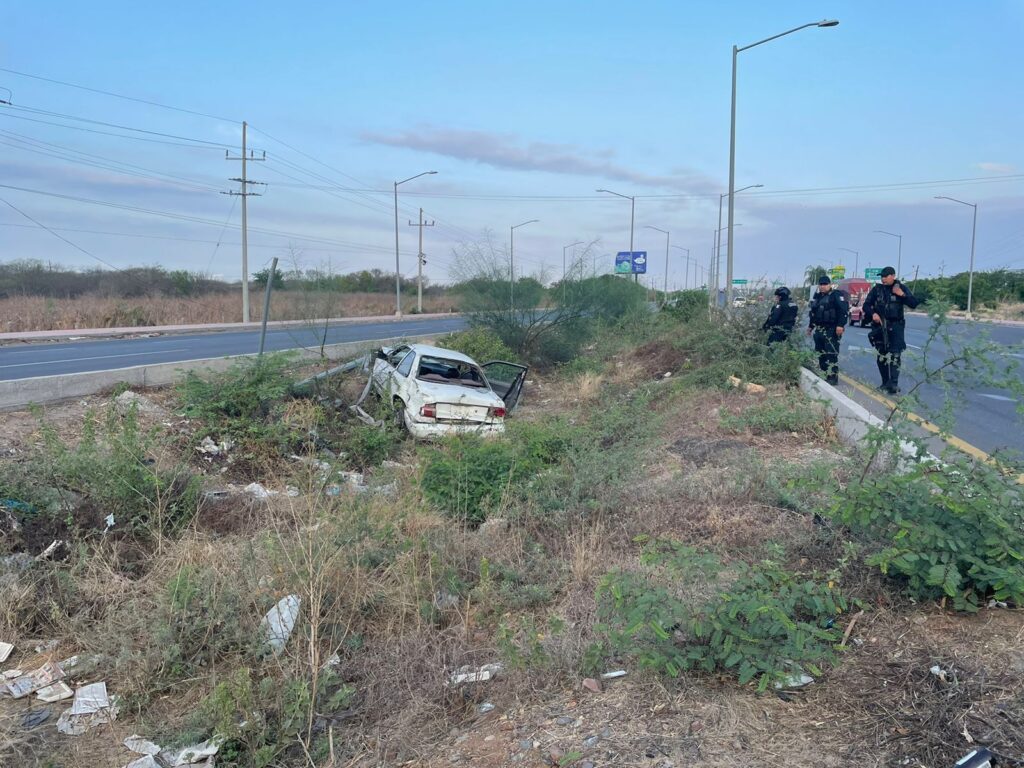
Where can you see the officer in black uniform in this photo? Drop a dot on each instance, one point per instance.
(782, 319)
(884, 305)
(829, 313)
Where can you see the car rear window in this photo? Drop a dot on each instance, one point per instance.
(443, 371)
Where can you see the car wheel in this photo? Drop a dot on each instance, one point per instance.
(398, 419)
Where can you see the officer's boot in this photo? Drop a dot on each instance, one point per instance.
(883, 370)
(894, 375)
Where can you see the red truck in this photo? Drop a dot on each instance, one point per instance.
(856, 289)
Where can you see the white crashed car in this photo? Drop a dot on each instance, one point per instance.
(439, 392)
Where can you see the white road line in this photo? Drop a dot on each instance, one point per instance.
(41, 349)
(1002, 398)
(912, 346)
(97, 357)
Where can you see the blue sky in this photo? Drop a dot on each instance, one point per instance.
(524, 110)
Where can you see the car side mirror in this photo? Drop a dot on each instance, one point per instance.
(380, 355)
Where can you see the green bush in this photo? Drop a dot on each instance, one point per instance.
(791, 413)
(951, 531)
(111, 470)
(687, 306)
(366, 446)
(482, 344)
(466, 476)
(756, 621)
(240, 397)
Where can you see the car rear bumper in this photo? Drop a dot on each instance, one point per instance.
(433, 430)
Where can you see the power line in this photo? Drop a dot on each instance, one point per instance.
(5, 113)
(116, 95)
(63, 116)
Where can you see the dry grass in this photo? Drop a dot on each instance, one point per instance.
(33, 313)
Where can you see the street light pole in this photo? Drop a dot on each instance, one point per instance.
(632, 218)
(668, 237)
(718, 232)
(398, 272)
(686, 264)
(899, 248)
(856, 259)
(974, 229)
(564, 249)
(512, 263)
(732, 141)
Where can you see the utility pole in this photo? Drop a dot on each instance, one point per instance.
(916, 270)
(421, 259)
(245, 194)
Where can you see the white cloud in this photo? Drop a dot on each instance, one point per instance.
(995, 167)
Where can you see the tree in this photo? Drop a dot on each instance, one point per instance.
(811, 274)
(261, 277)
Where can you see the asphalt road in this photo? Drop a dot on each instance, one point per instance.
(985, 416)
(31, 360)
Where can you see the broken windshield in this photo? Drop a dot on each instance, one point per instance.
(443, 371)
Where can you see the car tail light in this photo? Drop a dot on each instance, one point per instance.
(429, 411)
(496, 413)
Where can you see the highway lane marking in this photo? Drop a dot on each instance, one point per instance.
(41, 349)
(971, 450)
(999, 397)
(96, 357)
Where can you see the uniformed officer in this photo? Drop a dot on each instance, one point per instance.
(782, 319)
(884, 305)
(829, 312)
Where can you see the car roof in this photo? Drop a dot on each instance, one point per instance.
(449, 354)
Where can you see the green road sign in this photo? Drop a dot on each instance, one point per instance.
(739, 281)
(873, 273)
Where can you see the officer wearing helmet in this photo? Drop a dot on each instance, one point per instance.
(884, 305)
(829, 313)
(782, 319)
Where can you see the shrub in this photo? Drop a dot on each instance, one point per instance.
(466, 476)
(951, 531)
(242, 395)
(109, 471)
(791, 413)
(368, 446)
(766, 623)
(482, 344)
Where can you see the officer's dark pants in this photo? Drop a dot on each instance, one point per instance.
(826, 344)
(777, 335)
(889, 343)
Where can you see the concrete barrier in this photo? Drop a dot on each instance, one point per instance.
(51, 389)
(852, 420)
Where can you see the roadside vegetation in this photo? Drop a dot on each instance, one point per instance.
(641, 514)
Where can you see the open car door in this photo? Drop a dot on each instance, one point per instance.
(506, 379)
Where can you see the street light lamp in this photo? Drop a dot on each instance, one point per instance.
(732, 139)
(564, 249)
(974, 229)
(632, 212)
(899, 248)
(398, 272)
(718, 233)
(856, 259)
(512, 263)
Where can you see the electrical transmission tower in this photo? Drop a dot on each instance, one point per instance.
(247, 156)
(421, 259)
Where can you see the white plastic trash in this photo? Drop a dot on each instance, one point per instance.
(279, 622)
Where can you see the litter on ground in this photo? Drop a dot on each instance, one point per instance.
(279, 622)
(749, 388)
(55, 692)
(46, 675)
(142, 746)
(258, 491)
(5, 651)
(481, 675)
(196, 755)
(146, 761)
(91, 707)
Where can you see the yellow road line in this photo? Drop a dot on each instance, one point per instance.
(953, 440)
